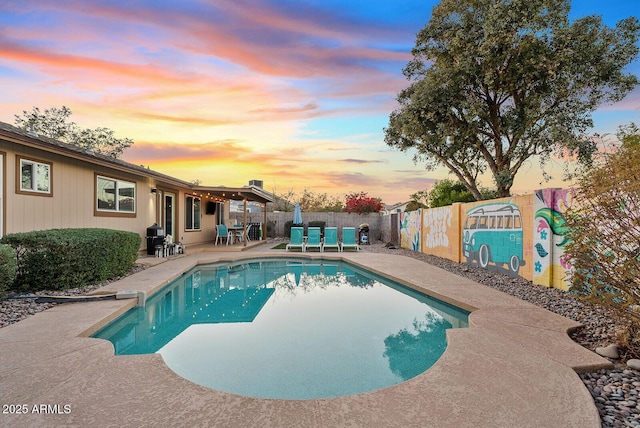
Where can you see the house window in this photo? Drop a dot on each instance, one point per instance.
(192, 215)
(116, 196)
(35, 176)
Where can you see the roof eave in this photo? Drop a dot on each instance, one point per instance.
(57, 147)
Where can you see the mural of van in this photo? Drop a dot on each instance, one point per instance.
(492, 233)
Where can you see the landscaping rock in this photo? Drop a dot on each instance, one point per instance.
(610, 351)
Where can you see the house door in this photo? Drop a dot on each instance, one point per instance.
(169, 214)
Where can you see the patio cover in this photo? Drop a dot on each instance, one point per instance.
(248, 193)
(245, 194)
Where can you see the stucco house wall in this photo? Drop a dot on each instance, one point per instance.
(71, 200)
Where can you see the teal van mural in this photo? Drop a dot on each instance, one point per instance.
(492, 237)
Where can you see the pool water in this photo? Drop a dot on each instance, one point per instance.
(288, 329)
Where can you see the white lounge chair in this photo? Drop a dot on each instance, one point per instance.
(313, 239)
(297, 239)
(349, 239)
(330, 238)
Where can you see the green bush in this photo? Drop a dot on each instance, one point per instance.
(8, 267)
(318, 223)
(287, 228)
(271, 228)
(289, 224)
(58, 259)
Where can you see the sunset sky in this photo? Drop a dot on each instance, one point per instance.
(292, 92)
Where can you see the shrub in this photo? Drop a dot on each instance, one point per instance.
(318, 223)
(271, 228)
(58, 259)
(288, 225)
(362, 204)
(604, 233)
(7, 268)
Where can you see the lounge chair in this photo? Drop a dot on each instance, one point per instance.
(222, 233)
(330, 238)
(349, 239)
(313, 239)
(297, 239)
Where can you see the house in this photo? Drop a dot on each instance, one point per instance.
(47, 184)
(400, 207)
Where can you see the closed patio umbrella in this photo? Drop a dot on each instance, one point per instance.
(297, 214)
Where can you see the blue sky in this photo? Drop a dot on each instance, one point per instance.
(294, 93)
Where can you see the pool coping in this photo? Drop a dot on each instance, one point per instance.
(514, 366)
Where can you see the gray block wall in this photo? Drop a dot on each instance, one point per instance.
(379, 224)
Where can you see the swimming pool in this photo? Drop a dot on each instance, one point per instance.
(288, 328)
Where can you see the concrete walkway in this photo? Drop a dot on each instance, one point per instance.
(514, 367)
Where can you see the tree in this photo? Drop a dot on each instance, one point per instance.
(53, 123)
(446, 192)
(281, 201)
(309, 202)
(604, 234)
(420, 199)
(497, 82)
(414, 205)
(361, 203)
(319, 202)
(629, 135)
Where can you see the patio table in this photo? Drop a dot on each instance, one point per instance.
(235, 229)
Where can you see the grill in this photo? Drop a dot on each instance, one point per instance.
(363, 233)
(155, 236)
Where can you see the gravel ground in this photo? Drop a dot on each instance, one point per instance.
(13, 310)
(615, 392)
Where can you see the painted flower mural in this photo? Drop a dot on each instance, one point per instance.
(550, 236)
(410, 230)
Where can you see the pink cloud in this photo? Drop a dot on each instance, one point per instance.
(630, 102)
(70, 65)
(289, 42)
(223, 150)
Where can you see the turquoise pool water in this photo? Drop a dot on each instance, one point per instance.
(288, 329)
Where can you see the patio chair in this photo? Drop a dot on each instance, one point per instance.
(313, 239)
(349, 239)
(330, 238)
(222, 233)
(297, 239)
(239, 233)
(246, 232)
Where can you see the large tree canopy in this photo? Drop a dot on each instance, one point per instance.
(53, 123)
(497, 82)
(446, 192)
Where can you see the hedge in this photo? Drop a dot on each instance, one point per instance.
(287, 228)
(8, 267)
(318, 223)
(58, 259)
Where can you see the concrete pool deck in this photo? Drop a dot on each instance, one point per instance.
(514, 366)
